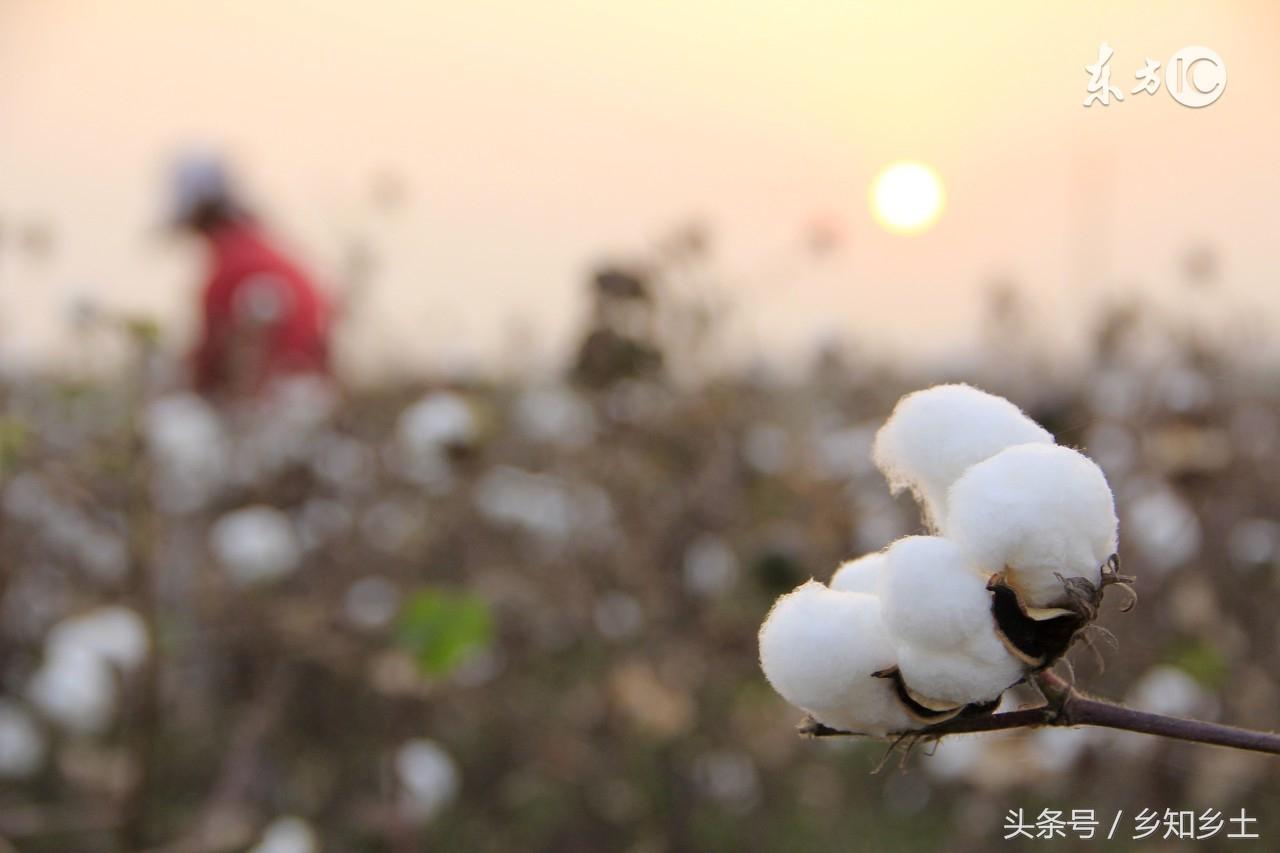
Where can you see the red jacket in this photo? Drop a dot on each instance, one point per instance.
(263, 318)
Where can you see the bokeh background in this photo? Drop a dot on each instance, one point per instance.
(617, 327)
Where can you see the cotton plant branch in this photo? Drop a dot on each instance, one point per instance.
(1066, 706)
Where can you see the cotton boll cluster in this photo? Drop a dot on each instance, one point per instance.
(934, 435)
(256, 544)
(76, 682)
(428, 778)
(935, 626)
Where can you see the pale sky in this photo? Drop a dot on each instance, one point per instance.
(537, 137)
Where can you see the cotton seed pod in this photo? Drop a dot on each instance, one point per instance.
(934, 435)
(861, 575)
(820, 649)
(1039, 514)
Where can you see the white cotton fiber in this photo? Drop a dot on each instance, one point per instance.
(860, 575)
(819, 648)
(935, 434)
(1033, 511)
(930, 595)
(937, 610)
(978, 670)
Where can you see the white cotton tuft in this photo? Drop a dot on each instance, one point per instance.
(819, 648)
(115, 635)
(937, 610)
(256, 544)
(22, 745)
(931, 597)
(440, 420)
(76, 689)
(288, 835)
(860, 575)
(428, 778)
(935, 434)
(1035, 511)
(976, 671)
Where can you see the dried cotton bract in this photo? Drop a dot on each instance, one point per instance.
(939, 626)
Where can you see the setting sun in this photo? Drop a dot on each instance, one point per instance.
(907, 197)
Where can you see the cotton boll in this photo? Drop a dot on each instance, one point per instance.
(22, 746)
(934, 435)
(256, 544)
(1033, 511)
(974, 672)
(288, 835)
(931, 597)
(861, 575)
(428, 777)
(115, 635)
(819, 648)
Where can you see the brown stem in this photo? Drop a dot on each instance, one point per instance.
(1067, 707)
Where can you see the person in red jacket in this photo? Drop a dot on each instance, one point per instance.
(263, 319)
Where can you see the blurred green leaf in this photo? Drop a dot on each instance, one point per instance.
(1201, 661)
(14, 436)
(443, 628)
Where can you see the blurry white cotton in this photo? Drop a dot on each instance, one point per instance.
(371, 603)
(1035, 511)
(22, 745)
(618, 616)
(710, 566)
(442, 419)
(288, 835)
(1162, 527)
(555, 415)
(935, 434)
(115, 635)
(1166, 689)
(428, 778)
(1254, 541)
(542, 505)
(766, 447)
(76, 689)
(256, 544)
(819, 649)
(187, 440)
